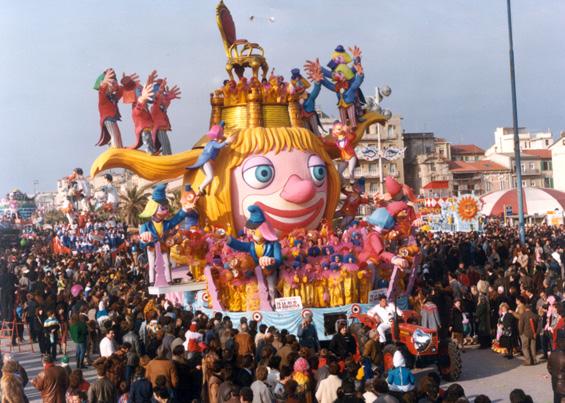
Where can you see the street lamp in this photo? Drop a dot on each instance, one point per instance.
(517, 157)
(374, 105)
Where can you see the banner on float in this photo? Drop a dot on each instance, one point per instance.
(374, 295)
(288, 304)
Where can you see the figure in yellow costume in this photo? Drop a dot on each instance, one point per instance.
(364, 277)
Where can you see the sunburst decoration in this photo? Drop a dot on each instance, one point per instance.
(468, 207)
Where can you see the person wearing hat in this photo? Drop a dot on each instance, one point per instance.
(158, 228)
(265, 248)
(382, 221)
(307, 100)
(346, 82)
(210, 153)
(398, 196)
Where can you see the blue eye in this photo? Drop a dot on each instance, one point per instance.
(264, 173)
(259, 176)
(319, 173)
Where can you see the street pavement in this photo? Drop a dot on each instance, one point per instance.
(488, 373)
(484, 372)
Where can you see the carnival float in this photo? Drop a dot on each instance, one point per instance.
(258, 234)
(17, 205)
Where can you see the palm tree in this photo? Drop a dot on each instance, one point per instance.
(175, 200)
(132, 203)
(54, 217)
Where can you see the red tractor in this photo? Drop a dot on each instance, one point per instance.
(420, 346)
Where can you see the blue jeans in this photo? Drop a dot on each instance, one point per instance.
(81, 350)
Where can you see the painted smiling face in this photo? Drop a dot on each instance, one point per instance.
(161, 213)
(290, 187)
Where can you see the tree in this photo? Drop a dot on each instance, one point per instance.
(175, 200)
(132, 203)
(53, 217)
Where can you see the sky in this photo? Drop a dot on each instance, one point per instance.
(445, 60)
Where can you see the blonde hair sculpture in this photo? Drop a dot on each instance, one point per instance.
(217, 207)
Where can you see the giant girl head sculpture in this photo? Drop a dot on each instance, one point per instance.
(286, 171)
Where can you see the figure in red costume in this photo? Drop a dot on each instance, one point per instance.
(161, 125)
(109, 93)
(382, 221)
(142, 120)
(354, 198)
(398, 195)
(344, 137)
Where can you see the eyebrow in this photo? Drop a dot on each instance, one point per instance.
(256, 161)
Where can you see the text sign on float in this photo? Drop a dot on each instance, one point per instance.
(288, 304)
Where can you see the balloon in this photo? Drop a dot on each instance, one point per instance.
(76, 290)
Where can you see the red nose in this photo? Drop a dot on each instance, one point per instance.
(297, 190)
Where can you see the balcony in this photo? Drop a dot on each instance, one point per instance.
(530, 172)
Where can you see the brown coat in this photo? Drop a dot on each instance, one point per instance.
(527, 325)
(12, 389)
(374, 351)
(244, 344)
(52, 382)
(158, 367)
(284, 352)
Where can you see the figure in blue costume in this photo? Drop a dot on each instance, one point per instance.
(210, 153)
(346, 82)
(265, 248)
(307, 100)
(158, 228)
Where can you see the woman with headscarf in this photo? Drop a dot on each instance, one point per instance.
(482, 315)
(506, 330)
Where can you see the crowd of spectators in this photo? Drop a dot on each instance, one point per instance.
(480, 290)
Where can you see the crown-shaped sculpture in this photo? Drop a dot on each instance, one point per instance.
(250, 102)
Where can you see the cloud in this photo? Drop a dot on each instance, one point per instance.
(446, 62)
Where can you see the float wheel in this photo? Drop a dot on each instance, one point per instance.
(450, 364)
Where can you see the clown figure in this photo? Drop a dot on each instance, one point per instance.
(112, 198)
(344, 137)
(345, 90)
(373, 248)
(161, 124)
(80, 189)
(307, 100)
(141, 116)
(354, 198)
(211, 150)
(158, 228)
(265, 248)
(109, 94)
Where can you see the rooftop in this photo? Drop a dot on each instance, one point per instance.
(530, 154)
(543, 153)
(465, 149)
(475, 166)
(436, 185)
